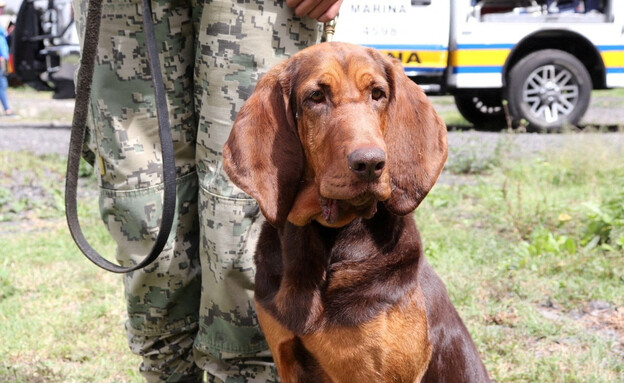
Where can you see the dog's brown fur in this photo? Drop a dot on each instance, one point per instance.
(338, 147)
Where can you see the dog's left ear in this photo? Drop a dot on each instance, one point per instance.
(263, 155)
(416, 140)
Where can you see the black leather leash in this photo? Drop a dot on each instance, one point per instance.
(79, 125)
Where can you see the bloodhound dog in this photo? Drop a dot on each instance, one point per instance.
(339, 146)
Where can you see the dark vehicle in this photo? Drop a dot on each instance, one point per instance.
(45, 46)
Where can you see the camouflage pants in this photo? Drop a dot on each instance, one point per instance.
(192, 310)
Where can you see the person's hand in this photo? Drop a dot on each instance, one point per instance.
(322, 10)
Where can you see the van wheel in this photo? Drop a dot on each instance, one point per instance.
(481, 107)
(548, 88)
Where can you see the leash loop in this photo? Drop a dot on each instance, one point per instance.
(79, 126)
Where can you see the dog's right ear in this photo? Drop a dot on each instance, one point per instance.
(263, 155)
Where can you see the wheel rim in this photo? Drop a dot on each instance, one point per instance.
(551, 93)
(485, 106)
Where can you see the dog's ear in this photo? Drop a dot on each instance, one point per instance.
(263, 155)
(416, 140)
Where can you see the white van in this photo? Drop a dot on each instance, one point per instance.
(543, 56)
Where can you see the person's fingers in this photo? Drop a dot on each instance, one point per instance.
(331, 12)
(322, 10)
(305, 6)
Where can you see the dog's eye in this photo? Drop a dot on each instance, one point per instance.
(317, 96)
(377, 94)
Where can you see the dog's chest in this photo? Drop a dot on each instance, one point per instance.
(392, 347)
(351, 297)
(313, 276)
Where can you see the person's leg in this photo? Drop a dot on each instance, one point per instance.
(162, 299)
(237, 43)
(4, 85)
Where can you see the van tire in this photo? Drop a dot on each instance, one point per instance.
(548, 88)
(481, 107)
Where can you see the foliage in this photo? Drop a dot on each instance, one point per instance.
(605, 225)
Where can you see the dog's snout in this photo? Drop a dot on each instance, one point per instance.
(367, 163)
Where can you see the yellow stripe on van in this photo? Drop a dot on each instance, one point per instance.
(420, 58)
(479, 57)
(613, 58)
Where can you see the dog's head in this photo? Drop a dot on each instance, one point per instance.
(332, 131)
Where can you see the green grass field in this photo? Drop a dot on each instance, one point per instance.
(531, 250)
(532, 253)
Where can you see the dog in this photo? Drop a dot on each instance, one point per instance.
(338, 147)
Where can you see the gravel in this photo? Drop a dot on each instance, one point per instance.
(36, 138)
(44, 126)
(43, 137)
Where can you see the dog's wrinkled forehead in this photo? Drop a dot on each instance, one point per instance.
(341, 69)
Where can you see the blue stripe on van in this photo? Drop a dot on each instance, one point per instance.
(485, 46)
(406, 47)
(477, 69)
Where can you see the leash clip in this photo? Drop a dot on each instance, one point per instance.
(329, 28)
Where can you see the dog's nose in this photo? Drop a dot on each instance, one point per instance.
(367, 163)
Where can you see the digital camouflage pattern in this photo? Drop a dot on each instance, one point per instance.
(192, 309)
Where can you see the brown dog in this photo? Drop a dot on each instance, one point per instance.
(339, 147)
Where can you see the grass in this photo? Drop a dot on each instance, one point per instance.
(61, 318)
(531, 250)
(523, 250)
(615, 93)
(445, 107)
